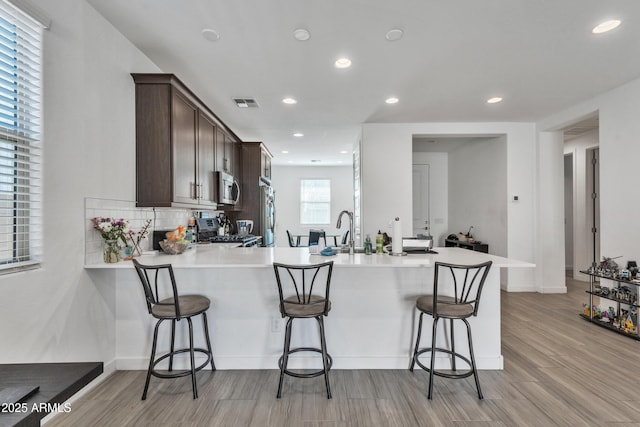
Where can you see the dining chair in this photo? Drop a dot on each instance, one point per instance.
(292, 241)
(316, 235)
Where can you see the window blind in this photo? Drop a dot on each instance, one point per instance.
(20, 140)
(315, 201)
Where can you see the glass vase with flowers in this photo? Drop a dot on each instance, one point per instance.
(136, 238)
(114, 232)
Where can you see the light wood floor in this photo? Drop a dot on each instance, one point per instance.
(559, 371)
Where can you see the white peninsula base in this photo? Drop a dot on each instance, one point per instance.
(372, 323)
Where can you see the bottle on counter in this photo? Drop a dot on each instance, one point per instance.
(379, 243)
(367, 245)
(192, 233)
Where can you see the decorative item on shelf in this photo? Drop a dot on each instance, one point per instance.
(632, 266)
(136, 238)
(126, 253)
(174, 248)
(113, 231)
(111, 251)
(607, 267)
(175, 243)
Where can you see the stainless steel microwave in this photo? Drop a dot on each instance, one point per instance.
(228, 189)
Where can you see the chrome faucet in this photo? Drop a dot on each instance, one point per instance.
(339, 224)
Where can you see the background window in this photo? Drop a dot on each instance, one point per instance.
(315, 201)
(20, 120)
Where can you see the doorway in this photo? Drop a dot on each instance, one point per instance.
(420, 190)
(582, 198)
(568, 214)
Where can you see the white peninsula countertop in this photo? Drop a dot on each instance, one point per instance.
(372, 323)
(222, 256)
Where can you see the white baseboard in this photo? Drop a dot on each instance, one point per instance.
(555, 290)
(307, 362)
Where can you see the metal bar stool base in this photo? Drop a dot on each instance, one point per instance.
(464, 374)
(307, 374)
(181, 373)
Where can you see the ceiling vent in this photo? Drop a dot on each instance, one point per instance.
(246, 102)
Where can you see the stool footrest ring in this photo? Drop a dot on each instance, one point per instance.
(181, 373)
(463, 374)
(306, 374)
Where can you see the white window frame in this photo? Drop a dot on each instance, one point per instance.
(304, 220)
(20, 137)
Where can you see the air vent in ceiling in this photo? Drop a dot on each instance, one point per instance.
(246, 102)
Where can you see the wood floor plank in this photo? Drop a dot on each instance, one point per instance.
(559, 371)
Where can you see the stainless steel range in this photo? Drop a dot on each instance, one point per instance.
(245, 241)
(208, 233)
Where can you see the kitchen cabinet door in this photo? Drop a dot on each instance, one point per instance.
(206, 161)
(185, 117)
(180, 143)
(220, 156)
(266, 165)
(236, 159)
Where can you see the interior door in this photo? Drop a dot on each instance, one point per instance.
(420, 189)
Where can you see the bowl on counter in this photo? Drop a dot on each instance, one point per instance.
(173, 248)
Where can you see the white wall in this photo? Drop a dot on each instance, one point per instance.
(478, 192)
(438, 193)
(550, 273)
(286, 182)
(582, 255)
(386, 181)
(59, 312)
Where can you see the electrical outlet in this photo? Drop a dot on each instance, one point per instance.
(276, 324)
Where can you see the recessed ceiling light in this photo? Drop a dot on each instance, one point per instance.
(494, 100)
(605, 26)
(301, 34)
(343, 63)
(344, 152)
(284, 152)
(289, 101)
(211, 35)
(298, 134)
(394, 34)
(391, 100)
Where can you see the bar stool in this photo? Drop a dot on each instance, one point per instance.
(175, 308)
(464, 285)
(308, 286)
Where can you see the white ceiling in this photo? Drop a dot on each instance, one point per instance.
(540, 56)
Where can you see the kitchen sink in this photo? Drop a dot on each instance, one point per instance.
(345, 250)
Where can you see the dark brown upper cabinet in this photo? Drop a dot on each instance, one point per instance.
(178, 146)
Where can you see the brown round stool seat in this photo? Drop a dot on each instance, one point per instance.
(447, 307)
(190, 305)
(315, 307)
